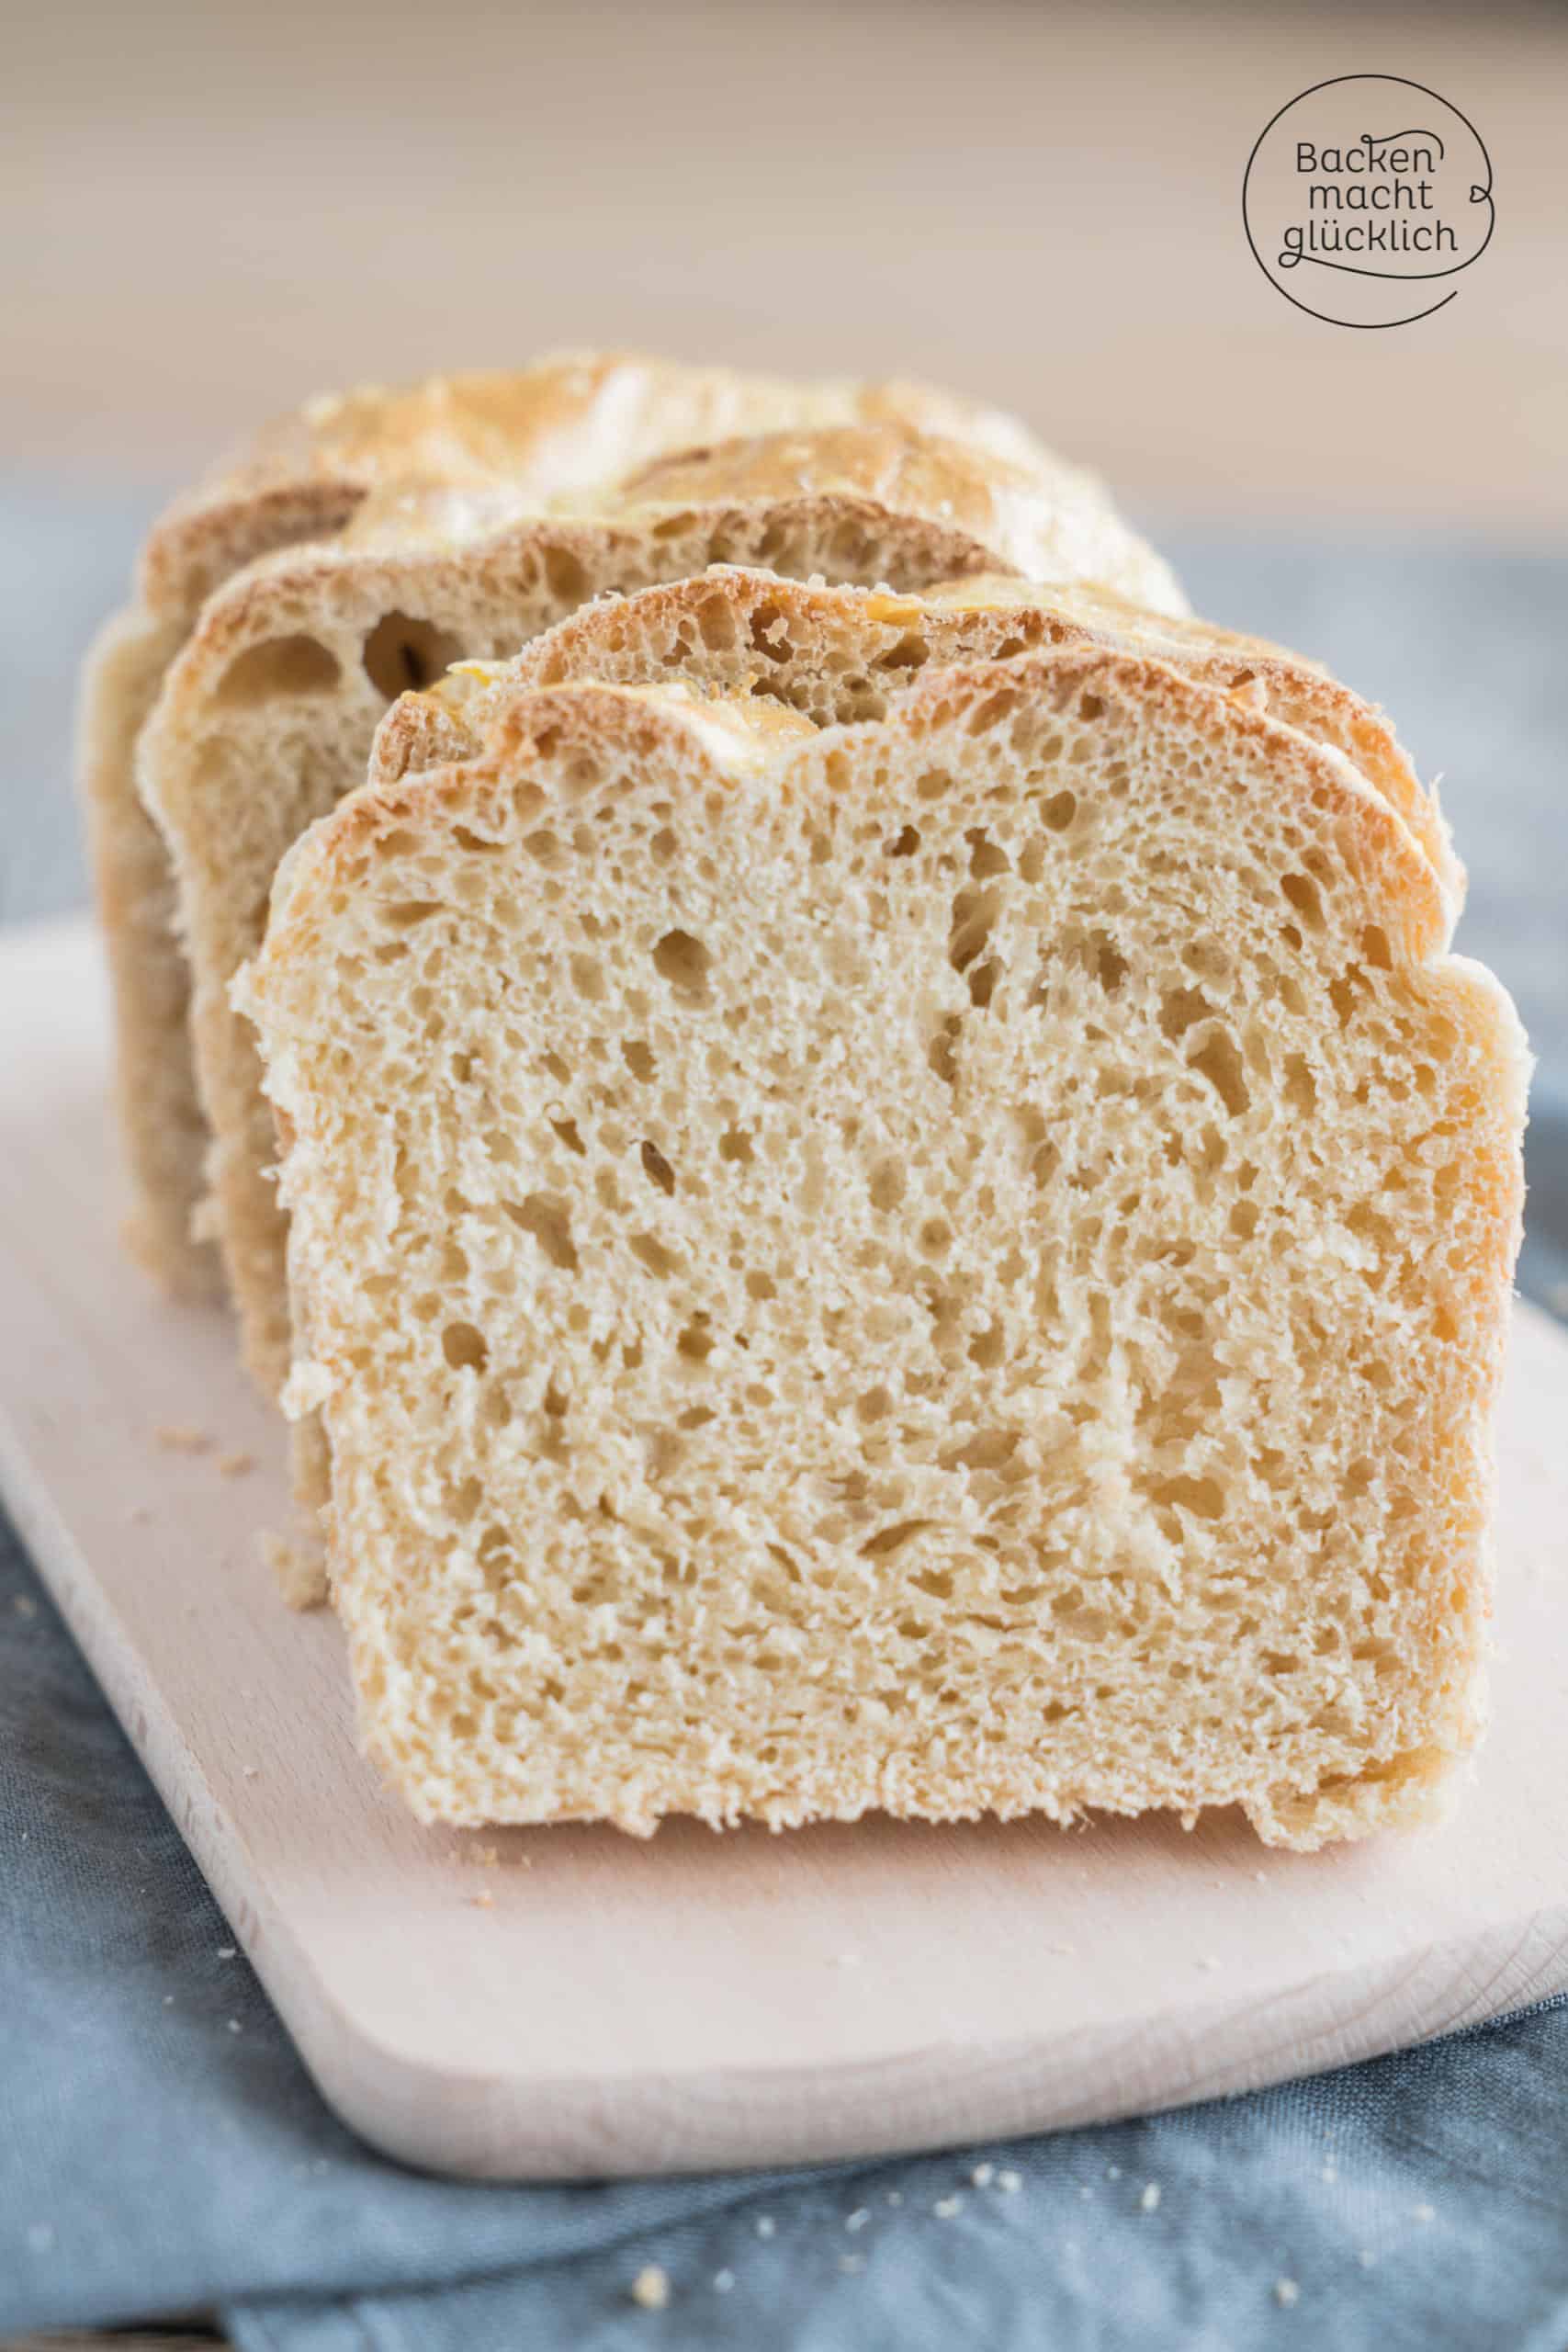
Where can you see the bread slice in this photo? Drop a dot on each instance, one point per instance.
(457, 456)
(947, 1263)
(267, 716)
(839, 653)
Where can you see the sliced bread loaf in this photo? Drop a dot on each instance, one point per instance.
(951, 1262)
(456, 457)
(267, 716)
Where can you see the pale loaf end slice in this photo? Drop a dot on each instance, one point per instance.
(462, 454)
(955, 1263)
(267, 716)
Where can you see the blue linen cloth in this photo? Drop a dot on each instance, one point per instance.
(162, 2154)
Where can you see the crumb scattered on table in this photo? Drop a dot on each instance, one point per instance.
(947, 2209)
(1286, 2292)
(983, 2176)
(651, 2288)
(236, 1465)
(183, 1437)
(1008, 2181)
(1150, 2197)
(300, 1577)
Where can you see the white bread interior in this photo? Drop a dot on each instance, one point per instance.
(954, 1261)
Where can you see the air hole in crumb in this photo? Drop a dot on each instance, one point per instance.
(547, 1218)
(565, 575)
(987, 1347)
(284, 665)
(1375, 948)
(909, 654)
(1204, 1497)
(1219, 1062)
(886, 1185)
(943, 1051)
(566, 1130)
(1300, 1090)
(685, 963)
(464, 1348)
(587, 978)
(651, 1252)
(908, 843)
(695, 1343)
(658, 1167)
(986, 856)
(1180, 1008)
(735, 1146)
(1304, 895)
(1058, 812)
(890, 1539)
(403, 655)
(973, 915)
(638, 1059)
(762, 1287)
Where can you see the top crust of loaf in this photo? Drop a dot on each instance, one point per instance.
(705, 626)
(972, 512)
(535, 435)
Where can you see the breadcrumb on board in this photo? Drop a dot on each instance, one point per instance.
(651, 2288)
(184, 1437)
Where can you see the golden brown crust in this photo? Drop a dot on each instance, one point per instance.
(979, 617)
(536, 434)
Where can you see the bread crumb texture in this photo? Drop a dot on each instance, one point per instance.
(950, 1261)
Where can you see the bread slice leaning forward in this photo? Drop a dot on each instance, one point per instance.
(951, 1262)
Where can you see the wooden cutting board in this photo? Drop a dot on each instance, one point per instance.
(571, 2001)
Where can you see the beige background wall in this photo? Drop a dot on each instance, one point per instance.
(212, 209)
